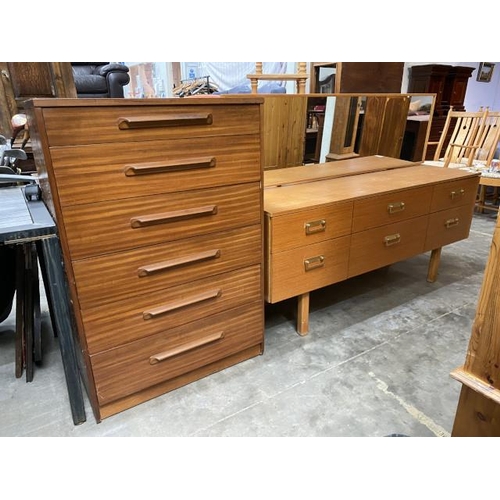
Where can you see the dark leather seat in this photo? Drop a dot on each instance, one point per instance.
(100, 79)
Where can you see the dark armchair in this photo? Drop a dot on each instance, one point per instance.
(100, 79)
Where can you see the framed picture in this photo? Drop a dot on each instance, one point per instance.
(485, 71)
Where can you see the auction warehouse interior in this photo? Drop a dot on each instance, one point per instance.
(277, 249)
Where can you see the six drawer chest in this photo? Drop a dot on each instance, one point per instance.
(159, 208)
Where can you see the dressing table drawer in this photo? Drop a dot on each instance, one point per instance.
(389, 208)
(454, 194)
(448, 226)
(386, 245)
(311, 226)
(303, 269)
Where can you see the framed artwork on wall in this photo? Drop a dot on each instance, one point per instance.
(485, 71)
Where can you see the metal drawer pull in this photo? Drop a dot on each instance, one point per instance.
(315, 226)
(161, 167)
(170, 120)
(396, 207)
(314, 262)
(188, 213)
(451, 222)
(180, 261)
(179, 304)
(393, 239)
(454, 194)
(189, 346)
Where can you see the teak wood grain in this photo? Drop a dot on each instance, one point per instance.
(97, 125)
(127, 369)
(108, 278)
(214, 209)
(381, 246)
(396, 213)
(387, 209)
(91, 174)
(159, 210)
(300, 270)
(343, 168)
(310, 226)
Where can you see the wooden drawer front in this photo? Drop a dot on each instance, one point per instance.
(137, 317)
(130, 368)
(304, 269)
(140, 272)
(91, 125)
(110, 226)
(87, 174)
(311, 226)
(385, 245)
(389, 208)
(454, 194)
(448, 226)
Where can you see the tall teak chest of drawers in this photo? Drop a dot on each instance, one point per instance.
(158, 204)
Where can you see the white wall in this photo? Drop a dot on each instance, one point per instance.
(485, 94)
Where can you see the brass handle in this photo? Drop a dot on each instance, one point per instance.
(315, 226)
(180, 261)
(454, 194)
(189, 213)
(189, 346)
(173, 166)
(451, 222)
(393, 239)
(179, 304)
(396, 207)
(314, 262)
(179, 120)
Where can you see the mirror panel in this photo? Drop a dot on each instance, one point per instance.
(314, 128)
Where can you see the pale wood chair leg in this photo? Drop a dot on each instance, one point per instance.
(435, 259)
(303, 314)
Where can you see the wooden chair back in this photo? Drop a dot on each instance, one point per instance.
(462, 145)
(488, 138)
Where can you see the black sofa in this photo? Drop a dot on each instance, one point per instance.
(100, 79)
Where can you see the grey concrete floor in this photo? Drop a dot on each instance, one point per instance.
(376, 362)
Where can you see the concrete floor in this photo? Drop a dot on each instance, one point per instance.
(376, 362)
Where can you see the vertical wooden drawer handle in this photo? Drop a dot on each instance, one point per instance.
(455, 194)
(392, 208)
(179, 304)
(179, 261)
(451, 222)
(188, 213)
(189, 346)
(160, 167)
(170, 120)
(314, 262)
(393, 239)
(315, 226)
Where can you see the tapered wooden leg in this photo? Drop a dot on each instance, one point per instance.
(432, 272)
(303, 314)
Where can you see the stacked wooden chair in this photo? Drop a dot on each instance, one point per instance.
(469, 140)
